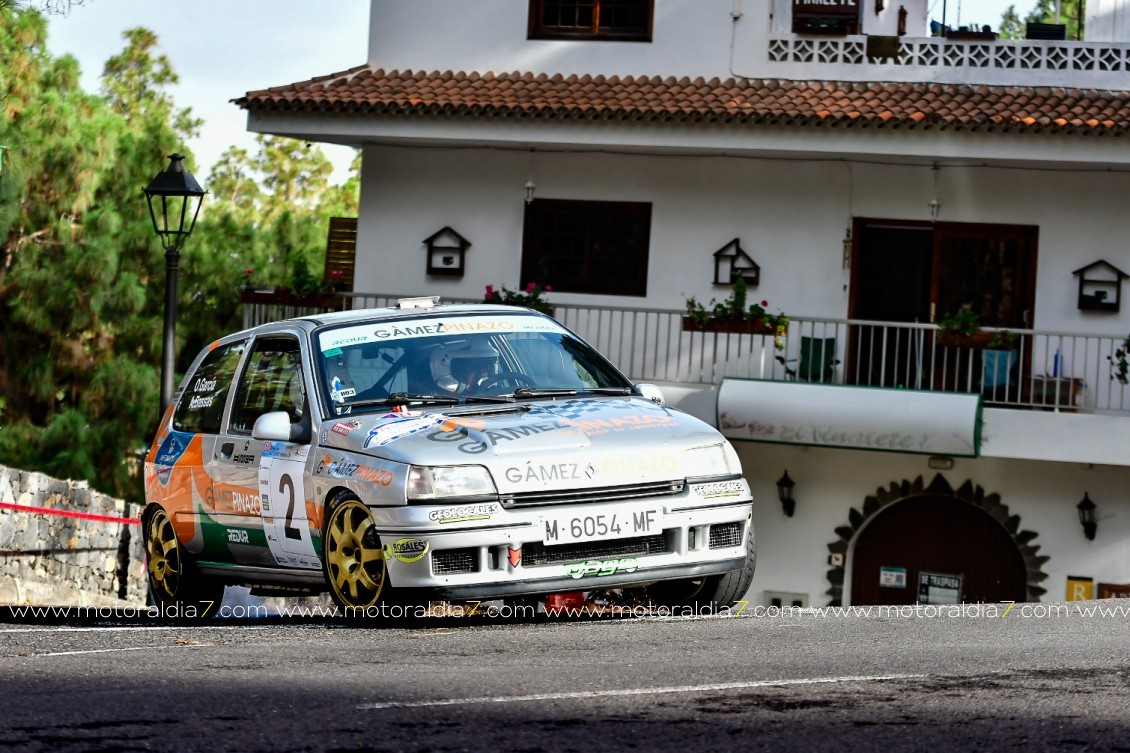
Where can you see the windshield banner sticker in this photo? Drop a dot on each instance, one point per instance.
(431, 327)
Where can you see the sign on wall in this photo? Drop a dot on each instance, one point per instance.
(859, 418)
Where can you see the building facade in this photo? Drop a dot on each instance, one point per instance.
(867, 179)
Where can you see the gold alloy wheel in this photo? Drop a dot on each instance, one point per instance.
(354, 561)
(163, 554)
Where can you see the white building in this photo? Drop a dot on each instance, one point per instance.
(876, 177)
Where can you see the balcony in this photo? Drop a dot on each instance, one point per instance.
(1042, 371)
(1033, 62)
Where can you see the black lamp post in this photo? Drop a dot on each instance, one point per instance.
(1086, 510)
(170, 196)
(785, 494)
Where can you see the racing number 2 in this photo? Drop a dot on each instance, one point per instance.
(286, 484)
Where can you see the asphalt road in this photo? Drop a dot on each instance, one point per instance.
(811, 681)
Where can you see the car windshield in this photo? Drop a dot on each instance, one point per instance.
(443, 359)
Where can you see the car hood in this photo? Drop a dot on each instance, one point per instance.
(575, 442)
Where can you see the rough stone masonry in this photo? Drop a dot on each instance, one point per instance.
(49, 558)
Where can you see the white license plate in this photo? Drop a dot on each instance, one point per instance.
(569, 529)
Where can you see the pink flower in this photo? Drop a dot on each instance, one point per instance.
(490, 291)
(531, 287)
(548, 288)
(765, 303)
(250, 271)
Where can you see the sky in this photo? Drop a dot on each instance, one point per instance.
(222, 49)
(980, 12)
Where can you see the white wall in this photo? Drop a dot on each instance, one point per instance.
(689, 39)
(791, 217)
(793, 553)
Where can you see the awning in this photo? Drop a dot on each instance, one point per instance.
(858, 418)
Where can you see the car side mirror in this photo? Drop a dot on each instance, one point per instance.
(276, 426)
(651, 392)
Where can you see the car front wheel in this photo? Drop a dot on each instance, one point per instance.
(713, 592)
(353, 561)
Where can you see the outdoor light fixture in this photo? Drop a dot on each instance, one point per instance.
(935, 203)
(530, 187)
(1086, 510)
(171, 195)
(785, 494)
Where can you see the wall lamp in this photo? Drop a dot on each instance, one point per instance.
(1086, 510)
(785, 487)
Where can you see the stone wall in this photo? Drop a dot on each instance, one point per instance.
(51, 558)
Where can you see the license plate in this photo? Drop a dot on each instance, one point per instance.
(570, 529)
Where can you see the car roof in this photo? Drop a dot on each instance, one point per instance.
(388, 313)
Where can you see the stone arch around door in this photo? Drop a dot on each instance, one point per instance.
(967, 492)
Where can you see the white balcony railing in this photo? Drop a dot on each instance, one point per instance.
(1059, 371)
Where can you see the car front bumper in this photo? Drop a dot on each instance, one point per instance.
(495, 551)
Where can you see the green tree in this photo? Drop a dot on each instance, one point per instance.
(1070, 13)
(81, 272)
(1011, 26)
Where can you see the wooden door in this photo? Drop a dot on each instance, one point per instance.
(918, 272)
(936, 534)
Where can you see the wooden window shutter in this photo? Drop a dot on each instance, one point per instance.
(341, 253)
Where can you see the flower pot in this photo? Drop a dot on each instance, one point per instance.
(975, 341)
(738, 326)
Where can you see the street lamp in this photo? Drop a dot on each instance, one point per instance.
(170, 196)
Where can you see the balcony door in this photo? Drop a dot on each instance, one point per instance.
(918, 273)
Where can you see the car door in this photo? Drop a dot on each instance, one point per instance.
(183, 484)
(261, 484)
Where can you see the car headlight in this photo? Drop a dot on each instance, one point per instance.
(713, 460)
(446, 481)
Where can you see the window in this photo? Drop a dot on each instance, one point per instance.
(202, 405)
(272, 381)
(621, 20)
(822, 17)
(587, 246)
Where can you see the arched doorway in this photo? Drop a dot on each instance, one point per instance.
(972, 528)
(973, 556)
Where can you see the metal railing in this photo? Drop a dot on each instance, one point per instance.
(1059, 371)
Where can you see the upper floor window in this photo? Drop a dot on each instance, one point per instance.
(623, 20)
(823, 17)
(587, 246)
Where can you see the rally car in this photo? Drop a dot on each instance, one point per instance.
(438, 451)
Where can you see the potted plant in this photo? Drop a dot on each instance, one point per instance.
(531, 297)
(963, 330)
(1120, 362)
(732, 315)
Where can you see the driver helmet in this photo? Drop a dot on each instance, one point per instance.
(463, 365)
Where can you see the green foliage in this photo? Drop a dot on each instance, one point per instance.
(734, 308)
(81, 271)
(964, 322)
(531, 297)
(1120, 362)
(1070, 14)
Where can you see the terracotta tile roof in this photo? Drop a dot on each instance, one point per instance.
(541, 96)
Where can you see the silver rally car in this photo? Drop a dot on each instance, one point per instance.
(427, 451)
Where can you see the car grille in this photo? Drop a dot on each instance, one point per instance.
(536, 553)
(725, 535)
(581, 496)
(454, 561)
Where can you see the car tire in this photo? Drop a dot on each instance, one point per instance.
(712, 592)
(175, 587)
(353, 557)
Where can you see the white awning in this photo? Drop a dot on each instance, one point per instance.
(860, 418)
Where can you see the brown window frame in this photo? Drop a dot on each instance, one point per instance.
(539, 30)
(592, 271)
